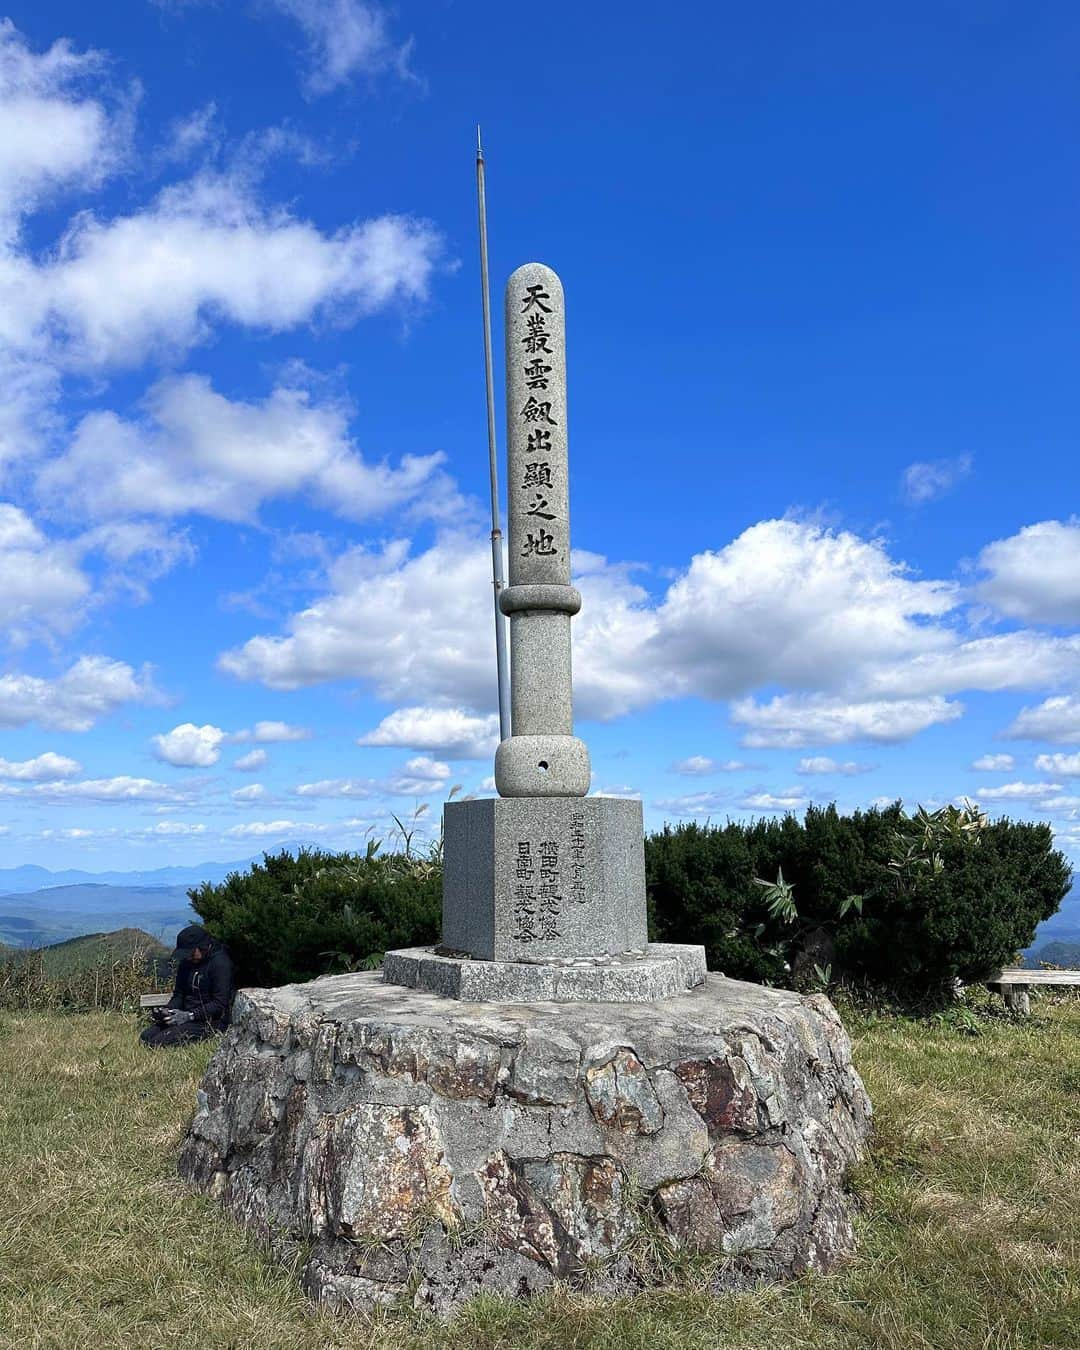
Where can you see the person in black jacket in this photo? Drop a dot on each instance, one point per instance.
(202, 996)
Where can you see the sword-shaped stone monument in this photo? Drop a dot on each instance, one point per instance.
(543, 886)
(551, 1087)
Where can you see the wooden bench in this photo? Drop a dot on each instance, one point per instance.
(1014, 983)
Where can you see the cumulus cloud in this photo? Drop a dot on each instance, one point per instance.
(824, 764)
(261, 829)
(994, 763)
(1034, 575)
(695, 804)
(1055, 719)
(90, 689)
(272, 733)
(699, 765)
(448, 731)
(168, 829)
(790, 800)
(120, 789)
(208, 251)
(42, 589)
(41, 768)
(197, 452)
(248, 795)
(862, 649)
(420, 777)
(253, 760)
(52, 134)
(925, 481)
(1019, 792)
(337, 787)
(189, 746)
(793, 721)
(1063, 766)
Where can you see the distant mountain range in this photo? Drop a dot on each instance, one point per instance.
(17, 880)
(41, 918)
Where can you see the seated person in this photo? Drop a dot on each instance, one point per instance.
(201, 999)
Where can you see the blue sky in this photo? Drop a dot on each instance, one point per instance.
(821, 279)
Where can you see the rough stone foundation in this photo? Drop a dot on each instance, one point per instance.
(420, 1149)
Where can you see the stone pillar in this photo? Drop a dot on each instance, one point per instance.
(542, 758)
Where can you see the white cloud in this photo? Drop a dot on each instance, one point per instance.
(1035, 574)
(345, 39)
(189, 135)
(785, 603)
(189, 746)
(337, 787)
(865, 650)
(169, 829)
(41, 768)
(119, 789)
(1019, 792)
(699, 765)
(823, 764)
(450, 731)
(792, 721)
(927, 480)
(1055, 719)
(995, 763)
(91, 688)
(196, 451)
(695, 804)
(252, 761)
(255, 793)
(271, 733)
(1066, 766)
(258, 829)
(42, 589)
(1059, 805)
(119, 291)
(790, 800)
(51, 135)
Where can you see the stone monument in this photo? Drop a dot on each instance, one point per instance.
(544, 1095)
(543, 887)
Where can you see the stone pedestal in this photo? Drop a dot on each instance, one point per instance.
(536, 878)
(413, 1149)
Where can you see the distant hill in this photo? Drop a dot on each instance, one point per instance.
(1064, 926)
(43, 918)
(30, 877)
(1065, 954)
(19, 880)
(94, 949)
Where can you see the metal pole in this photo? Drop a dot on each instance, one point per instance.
(502, 664)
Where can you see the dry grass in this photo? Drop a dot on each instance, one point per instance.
(969, 1236)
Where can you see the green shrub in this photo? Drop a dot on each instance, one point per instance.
(877, 896)
(292, 918)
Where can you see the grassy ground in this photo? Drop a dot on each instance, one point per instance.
(969, 1232)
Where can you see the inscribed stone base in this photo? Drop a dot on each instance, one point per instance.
(662, 970)
(404, 1148)
(530, 878)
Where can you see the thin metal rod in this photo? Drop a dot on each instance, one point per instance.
(502, 664)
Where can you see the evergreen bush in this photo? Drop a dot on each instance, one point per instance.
(909, 902)
(294, 917)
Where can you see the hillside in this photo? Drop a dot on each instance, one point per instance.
(94, 949)
(45, 917)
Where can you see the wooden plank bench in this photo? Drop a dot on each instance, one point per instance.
(1014, 983)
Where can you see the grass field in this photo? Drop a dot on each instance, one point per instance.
(969, 1230)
